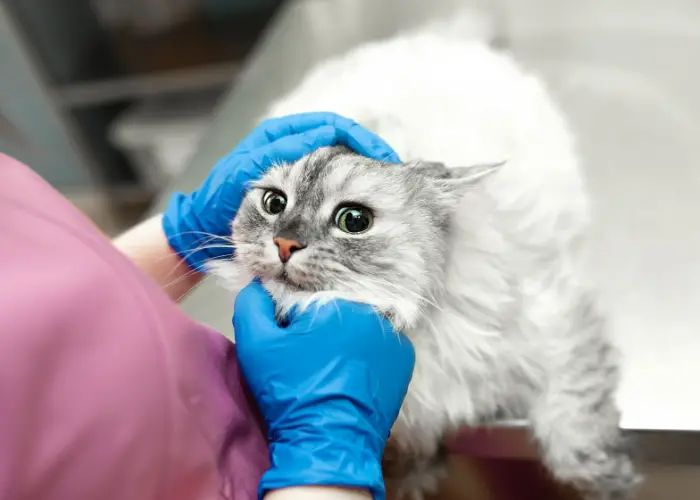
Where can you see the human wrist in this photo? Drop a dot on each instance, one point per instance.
(146, 246)
(318, 493)
(346, 454)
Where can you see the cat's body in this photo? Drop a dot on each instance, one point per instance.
(481, 267)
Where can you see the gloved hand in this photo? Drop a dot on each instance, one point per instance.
(197, 225)
(329, 385)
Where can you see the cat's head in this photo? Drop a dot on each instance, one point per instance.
(336, 224)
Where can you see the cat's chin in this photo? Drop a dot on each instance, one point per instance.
(403, 314)
(288, 296)
(288, 281)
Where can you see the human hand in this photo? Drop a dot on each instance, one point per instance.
(198, 225)
(329, 385)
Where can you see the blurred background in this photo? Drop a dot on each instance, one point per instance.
(119, 102)
(107, 99)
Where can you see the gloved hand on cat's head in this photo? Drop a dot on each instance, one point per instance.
(329, 385)
(198, 224)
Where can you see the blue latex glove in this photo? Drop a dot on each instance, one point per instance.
(198, 224)
(329, 385)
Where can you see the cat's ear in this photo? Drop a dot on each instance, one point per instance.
(474, 174)
(429, 169)
(455, 181)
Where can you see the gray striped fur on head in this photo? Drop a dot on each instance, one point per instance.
(394, 265)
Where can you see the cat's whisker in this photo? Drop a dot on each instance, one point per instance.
(206, 247)
(391, 297)
(188, 274)
(181, 262)
(187, 254)
(406, 290)
(205, 244)
(180, 278)
(211, 236)
(316, 306)
(381, 323)
(386, 157)
(362, 289)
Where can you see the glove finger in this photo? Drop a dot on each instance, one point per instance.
(274, 129)
(293, 147)
(253, 314)
(348, 132)
(366, 143)
(362, 141)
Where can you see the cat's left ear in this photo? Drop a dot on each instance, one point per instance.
(453, 182)
(474, 174)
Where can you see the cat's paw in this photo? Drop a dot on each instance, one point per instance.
(423, 478)
(601, 475)
(615, 479)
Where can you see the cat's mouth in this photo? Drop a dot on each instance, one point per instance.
(286, 278)
(289, 275)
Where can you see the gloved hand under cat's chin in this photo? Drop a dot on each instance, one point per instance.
(333, 363)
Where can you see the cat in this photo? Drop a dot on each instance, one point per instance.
(472, 247)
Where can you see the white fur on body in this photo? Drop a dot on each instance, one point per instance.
(512, 328)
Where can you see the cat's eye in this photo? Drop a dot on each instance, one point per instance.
(274, 202)
(354, 220)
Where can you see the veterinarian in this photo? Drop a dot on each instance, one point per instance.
(110, 392)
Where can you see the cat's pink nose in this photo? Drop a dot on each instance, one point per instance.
(287, 247)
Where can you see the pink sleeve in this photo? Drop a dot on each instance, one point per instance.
(108, 391)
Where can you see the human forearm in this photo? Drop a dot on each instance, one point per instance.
(318, 493)
(147, 246)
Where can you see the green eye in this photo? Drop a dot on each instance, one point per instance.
(354, 220)
(274, 202)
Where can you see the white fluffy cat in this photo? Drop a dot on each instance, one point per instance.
(514, 330)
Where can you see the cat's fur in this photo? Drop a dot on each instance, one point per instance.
(480, 267)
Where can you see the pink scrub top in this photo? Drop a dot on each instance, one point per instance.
(107, 390)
